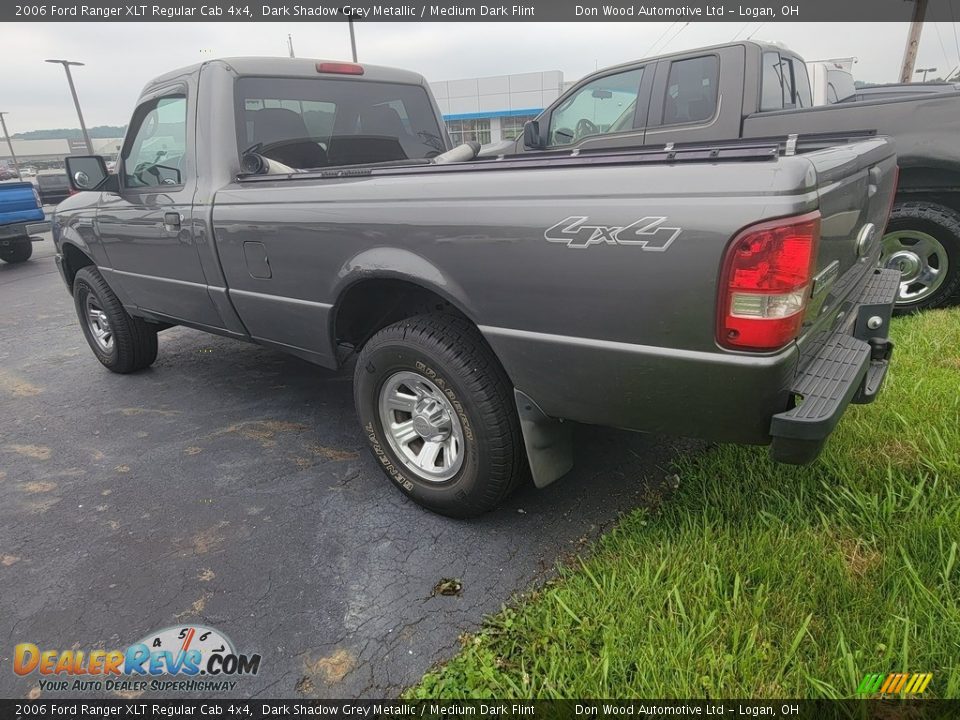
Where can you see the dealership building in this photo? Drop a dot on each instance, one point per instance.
(491, 109)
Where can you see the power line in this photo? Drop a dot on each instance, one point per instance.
(954, 23)
(750, 36)
(943, 49)
(956, 40)
(745, 26)
(674, 37)
(662, 35)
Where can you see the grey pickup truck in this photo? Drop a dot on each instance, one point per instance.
(726, 292)
(750, 89)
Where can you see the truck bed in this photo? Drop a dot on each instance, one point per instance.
(596, 331)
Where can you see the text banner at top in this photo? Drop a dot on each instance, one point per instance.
(526, 11)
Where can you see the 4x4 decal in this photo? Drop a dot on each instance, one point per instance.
(647, 233)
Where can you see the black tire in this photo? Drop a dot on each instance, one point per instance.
(450, 351)
(943, 224)
(134, 345)
(18, 252)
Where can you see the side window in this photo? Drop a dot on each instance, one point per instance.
(602, 106)
(156, 155)
(691, 90)
(771, 90)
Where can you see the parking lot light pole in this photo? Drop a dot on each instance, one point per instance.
(73, 91)
(13, 155)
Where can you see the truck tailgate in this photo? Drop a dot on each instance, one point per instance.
(18, 204)
(844, 347)
(855, 185)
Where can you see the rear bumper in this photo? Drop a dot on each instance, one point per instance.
(848, 367)
(10, 233)
(21, 232)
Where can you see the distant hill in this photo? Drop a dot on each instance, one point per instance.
(101, 131)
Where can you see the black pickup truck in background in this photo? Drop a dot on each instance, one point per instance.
(756, 90)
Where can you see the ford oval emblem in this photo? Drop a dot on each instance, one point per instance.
(865, 239)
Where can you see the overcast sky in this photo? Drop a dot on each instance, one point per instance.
(121, 57)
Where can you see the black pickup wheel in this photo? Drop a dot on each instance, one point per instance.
(438, 411)
(122, 343)
(18, 252)
(922, 243)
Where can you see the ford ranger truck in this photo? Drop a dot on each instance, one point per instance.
(750, 89)
(727, 292)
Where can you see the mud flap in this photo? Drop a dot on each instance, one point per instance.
(548, 441)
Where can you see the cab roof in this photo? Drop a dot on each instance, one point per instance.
(290, 67)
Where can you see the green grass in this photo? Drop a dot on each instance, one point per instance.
(758, 580)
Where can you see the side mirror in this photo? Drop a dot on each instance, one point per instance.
(86, 172)
(531, 135)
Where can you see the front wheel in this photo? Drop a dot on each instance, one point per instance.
(437, 409)
(922, 243)
(121, 342)
(18, 252)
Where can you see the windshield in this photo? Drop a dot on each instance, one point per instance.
(314, 123)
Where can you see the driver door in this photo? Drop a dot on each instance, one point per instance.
(146, 228)
(607, 111)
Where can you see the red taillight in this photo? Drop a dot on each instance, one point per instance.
(340, 68)
(765, 283)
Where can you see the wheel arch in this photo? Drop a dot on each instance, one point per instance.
(385, 285)
(927, 183)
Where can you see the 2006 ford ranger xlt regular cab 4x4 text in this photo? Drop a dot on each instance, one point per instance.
(727, 293)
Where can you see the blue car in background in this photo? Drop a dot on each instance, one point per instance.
(19, 207)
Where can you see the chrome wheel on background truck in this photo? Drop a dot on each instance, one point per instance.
(922, 243)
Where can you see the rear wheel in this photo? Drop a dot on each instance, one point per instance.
(121, 342)
(922, 243)
(437, 410)
(18, 252)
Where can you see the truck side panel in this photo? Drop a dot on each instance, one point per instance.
(581, 298)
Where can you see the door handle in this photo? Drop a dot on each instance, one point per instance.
(171, 221)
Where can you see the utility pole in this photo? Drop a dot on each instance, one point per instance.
(73, 91)
(924, 71)
(353, 39)
(290, 45)
(13, 155)
(913, 41)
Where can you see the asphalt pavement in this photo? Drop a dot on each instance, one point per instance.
(229, 486)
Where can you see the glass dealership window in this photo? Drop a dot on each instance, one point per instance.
(462, 131)
(512, 127)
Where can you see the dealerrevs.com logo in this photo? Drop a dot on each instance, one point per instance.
(180, 659)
